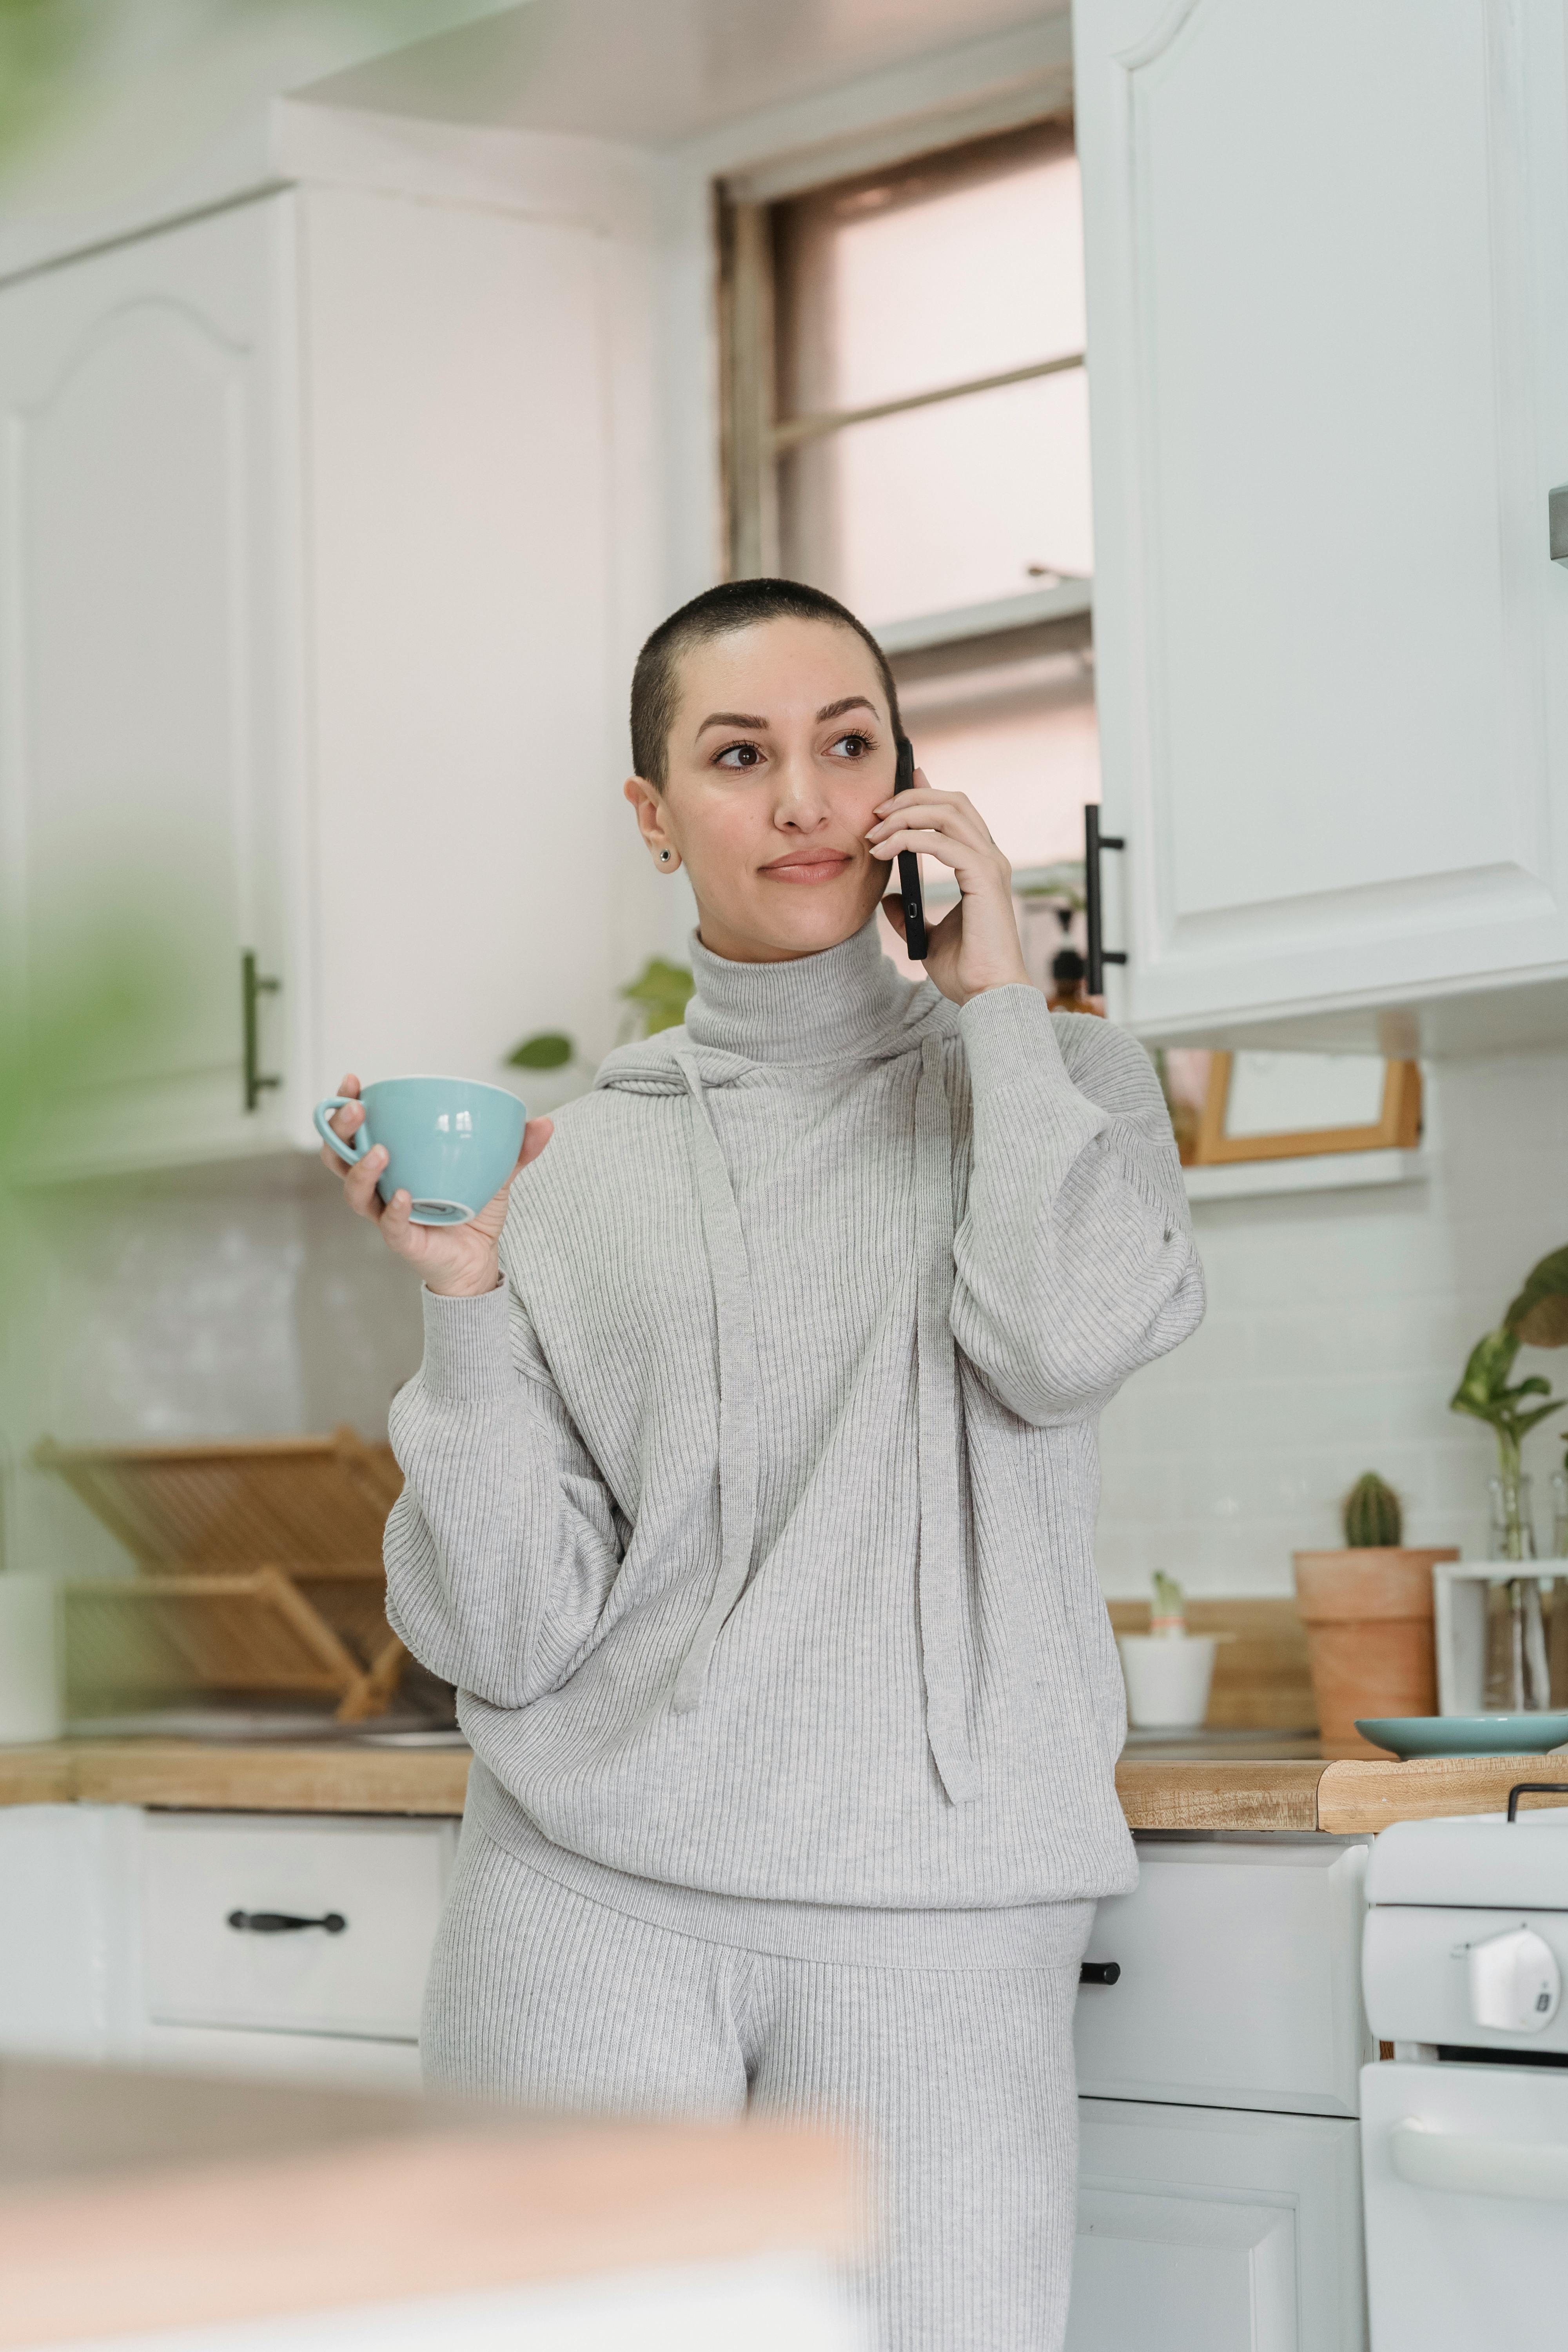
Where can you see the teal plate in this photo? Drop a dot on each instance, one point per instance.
(1465, 1734)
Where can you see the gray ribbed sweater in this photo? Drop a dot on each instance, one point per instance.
(752, 1518)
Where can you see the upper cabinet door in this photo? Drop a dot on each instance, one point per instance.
(1328, 294)
(140, 678)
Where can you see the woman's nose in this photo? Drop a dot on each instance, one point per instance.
(801, 801)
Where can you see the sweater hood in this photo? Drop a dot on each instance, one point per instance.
(843, 1008)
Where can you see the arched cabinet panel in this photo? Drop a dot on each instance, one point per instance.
(139, 673)
(310, 617)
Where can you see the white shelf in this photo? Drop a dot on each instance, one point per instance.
(1324, 1171)
(1064, 601)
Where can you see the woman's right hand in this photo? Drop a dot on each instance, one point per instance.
(457, 1261)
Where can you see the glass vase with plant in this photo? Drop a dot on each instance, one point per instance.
(1517, 1669)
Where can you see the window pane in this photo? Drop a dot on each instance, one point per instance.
(956, 504)
(966, 265)
(1021, 741)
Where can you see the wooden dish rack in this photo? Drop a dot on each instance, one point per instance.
(260, 1570)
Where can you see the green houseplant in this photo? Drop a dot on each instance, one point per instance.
(1518, 1659)
(1511, 1409)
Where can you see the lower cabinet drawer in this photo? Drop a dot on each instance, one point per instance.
(1200, 2229)
(216, 1887)
(345, 2061)
(1240, 1979)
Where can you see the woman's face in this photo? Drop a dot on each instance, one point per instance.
(781, 749)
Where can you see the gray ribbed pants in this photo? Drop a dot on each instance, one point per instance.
(942, 2039)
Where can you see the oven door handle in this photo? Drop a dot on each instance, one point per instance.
(1466, 2164)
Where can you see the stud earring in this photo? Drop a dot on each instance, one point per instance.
(664, 857)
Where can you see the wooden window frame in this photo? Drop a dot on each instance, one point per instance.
(1397, 1128)
(754, 438)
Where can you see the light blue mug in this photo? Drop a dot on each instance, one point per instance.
(451, 1142)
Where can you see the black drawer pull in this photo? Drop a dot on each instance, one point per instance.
(1100, 1972)
(284, 1923)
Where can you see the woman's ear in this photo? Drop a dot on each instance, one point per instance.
(649, 810)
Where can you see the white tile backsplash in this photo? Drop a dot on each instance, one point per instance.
(1338, 1326)
(231, 1302)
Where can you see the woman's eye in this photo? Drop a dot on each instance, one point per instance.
(740, 755)
(853, 747)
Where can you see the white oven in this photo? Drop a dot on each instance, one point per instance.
(1465, 2134)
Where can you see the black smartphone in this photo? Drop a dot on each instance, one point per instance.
(910, 865)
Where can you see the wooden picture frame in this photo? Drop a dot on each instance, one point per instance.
(1397, 1128)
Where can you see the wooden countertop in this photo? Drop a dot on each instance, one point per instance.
(273, 1777)
(132, 2201)
(1347, 1798)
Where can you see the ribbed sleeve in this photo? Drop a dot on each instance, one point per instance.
(1075, 1261)
(503, 1544)
(467, 1348)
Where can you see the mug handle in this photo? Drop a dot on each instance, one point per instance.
(358, 1144)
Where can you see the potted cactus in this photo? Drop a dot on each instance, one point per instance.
(1367, 1610)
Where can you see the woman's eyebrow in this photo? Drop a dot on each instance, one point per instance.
(850, 702)
(732, 718)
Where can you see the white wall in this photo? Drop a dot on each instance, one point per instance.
(1337, 1329)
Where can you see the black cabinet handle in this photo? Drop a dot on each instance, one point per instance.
(254, 984)
(1106, 1972)
(1097, 955)
(284, 1923)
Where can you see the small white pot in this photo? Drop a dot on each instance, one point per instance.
(1167, 1679)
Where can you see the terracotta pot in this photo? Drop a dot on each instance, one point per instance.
(1368, 1616)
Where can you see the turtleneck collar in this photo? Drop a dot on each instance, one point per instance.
(816, 1008)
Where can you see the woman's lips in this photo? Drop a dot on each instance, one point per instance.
(818, 865)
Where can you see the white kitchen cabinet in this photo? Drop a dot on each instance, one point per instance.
(378, 1884)
(1240, 1978)
(129, 1953)
(1328, 297)
(69, 1879)
(1218, 2178)
(308, 637)
(344, 2060)
(1204, 2230)
(151, 747)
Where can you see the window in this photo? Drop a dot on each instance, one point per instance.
(908, 428)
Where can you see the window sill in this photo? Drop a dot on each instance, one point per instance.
(1323, 1171)
(1064, 602)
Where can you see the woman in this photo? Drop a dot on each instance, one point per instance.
(751, 1477)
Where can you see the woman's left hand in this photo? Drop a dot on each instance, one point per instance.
(976, 946)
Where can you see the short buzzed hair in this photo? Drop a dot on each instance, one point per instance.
(734, 604)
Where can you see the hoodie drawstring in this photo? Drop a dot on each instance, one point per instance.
(940, 1560)
(726, 1247)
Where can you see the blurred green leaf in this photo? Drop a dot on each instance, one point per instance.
(550, 1049)
(1539, 1316)
(660, 992)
